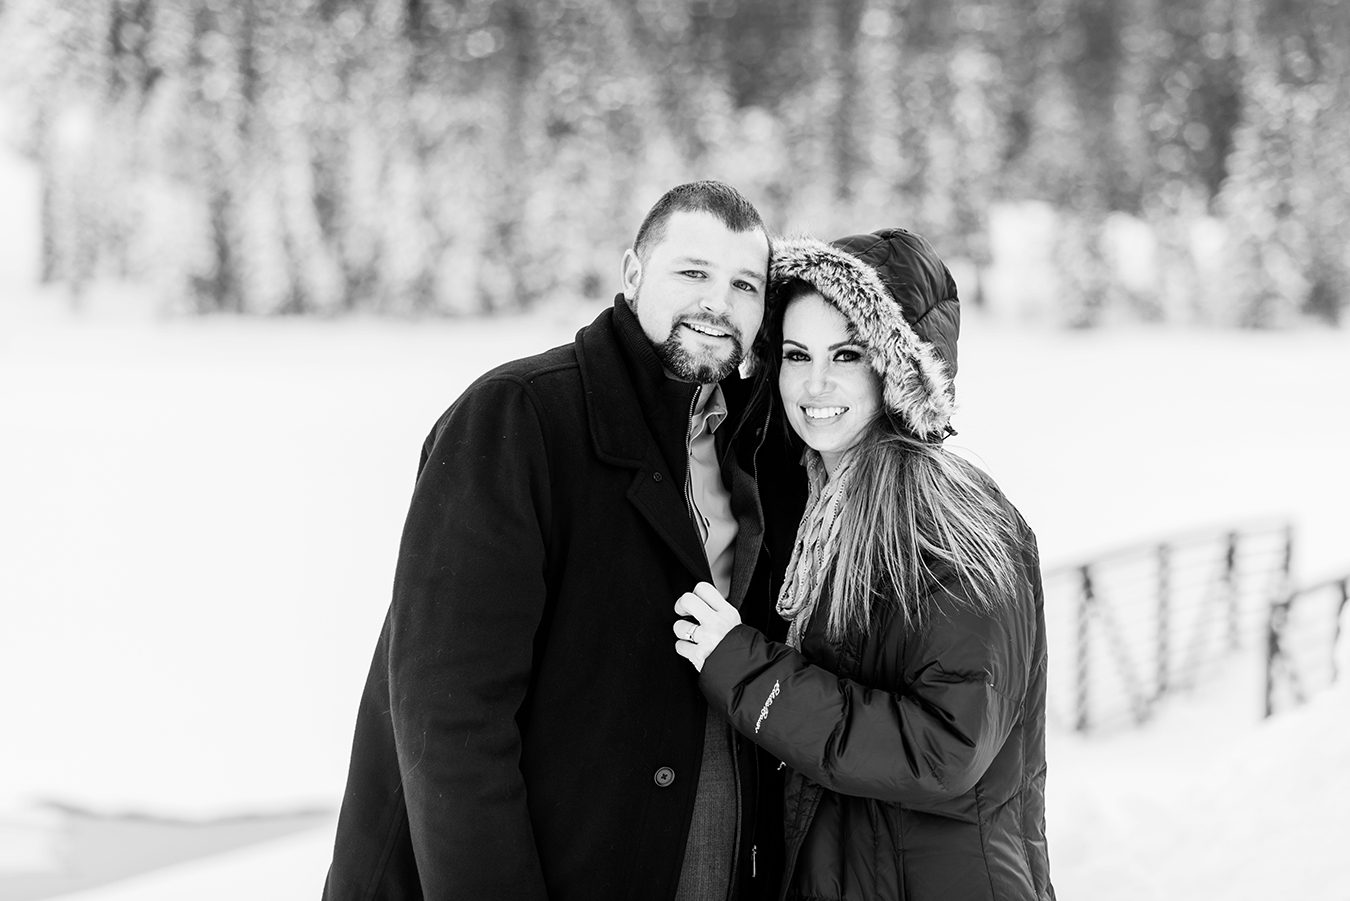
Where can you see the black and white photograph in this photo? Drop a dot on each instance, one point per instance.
(686, 450)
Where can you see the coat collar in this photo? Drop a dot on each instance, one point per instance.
(639, 418)
(629, 399)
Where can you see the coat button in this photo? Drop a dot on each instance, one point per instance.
(663, 777)
(656, 477)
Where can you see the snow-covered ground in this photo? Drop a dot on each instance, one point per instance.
(199, 519)
(1176, 811)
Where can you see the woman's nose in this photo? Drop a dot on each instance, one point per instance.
(817, 379)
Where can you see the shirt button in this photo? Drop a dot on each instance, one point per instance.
(663, 777)
(656, 477)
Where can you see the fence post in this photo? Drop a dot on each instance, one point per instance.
(1230, 586)
(1336, 632)
(1279, 610)
(1273, 624)
(1164, 619)
(1085, 600)
(1287, 563)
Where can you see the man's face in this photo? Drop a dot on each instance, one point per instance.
(699, 295)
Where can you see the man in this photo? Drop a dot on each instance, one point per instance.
(527, 729)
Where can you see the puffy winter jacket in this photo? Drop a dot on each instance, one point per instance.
(917, 757)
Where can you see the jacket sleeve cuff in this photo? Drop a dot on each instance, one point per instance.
(740, 674)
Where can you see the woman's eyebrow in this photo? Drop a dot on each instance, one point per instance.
(832, 347)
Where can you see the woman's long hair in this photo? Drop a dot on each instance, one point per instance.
(914, 515)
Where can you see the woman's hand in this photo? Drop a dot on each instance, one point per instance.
(714, 618)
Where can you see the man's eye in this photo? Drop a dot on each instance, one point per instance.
(748, 286)
(694, 273)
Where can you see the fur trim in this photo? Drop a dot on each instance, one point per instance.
(914, 380)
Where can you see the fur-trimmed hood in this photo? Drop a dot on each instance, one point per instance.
(899, 296)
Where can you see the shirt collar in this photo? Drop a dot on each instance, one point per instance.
(709, 410)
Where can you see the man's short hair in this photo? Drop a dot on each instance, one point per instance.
(721, 200)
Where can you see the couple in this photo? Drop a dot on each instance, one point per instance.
(864, 715)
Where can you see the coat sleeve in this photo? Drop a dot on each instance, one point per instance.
(919, 743)
(469, 593)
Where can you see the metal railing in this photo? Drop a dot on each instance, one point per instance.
(1133, 626)
(1302, 633)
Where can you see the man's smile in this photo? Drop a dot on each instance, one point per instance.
(708, 331)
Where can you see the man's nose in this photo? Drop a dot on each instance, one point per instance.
(717, 299)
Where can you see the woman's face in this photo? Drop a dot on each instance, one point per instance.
(829, 390)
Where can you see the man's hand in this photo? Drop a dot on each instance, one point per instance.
(713, 618)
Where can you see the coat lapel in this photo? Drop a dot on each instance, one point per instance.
(663, 506)
(749, 532)
(623, 397)
(745, 503)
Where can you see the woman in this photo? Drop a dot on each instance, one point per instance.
(909, 699)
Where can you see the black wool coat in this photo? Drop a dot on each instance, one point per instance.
(916, 755)
(527, 729)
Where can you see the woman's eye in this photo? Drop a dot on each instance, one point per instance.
(848, 356)
(794, 356)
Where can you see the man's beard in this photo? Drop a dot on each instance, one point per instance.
(703, 368)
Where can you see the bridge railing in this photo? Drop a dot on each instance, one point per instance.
(1133, 626)
(1302, 633)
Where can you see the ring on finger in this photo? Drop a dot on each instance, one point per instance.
(692, 631)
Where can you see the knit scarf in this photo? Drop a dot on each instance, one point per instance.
(816, 545)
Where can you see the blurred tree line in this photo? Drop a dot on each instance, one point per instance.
(409, 156)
